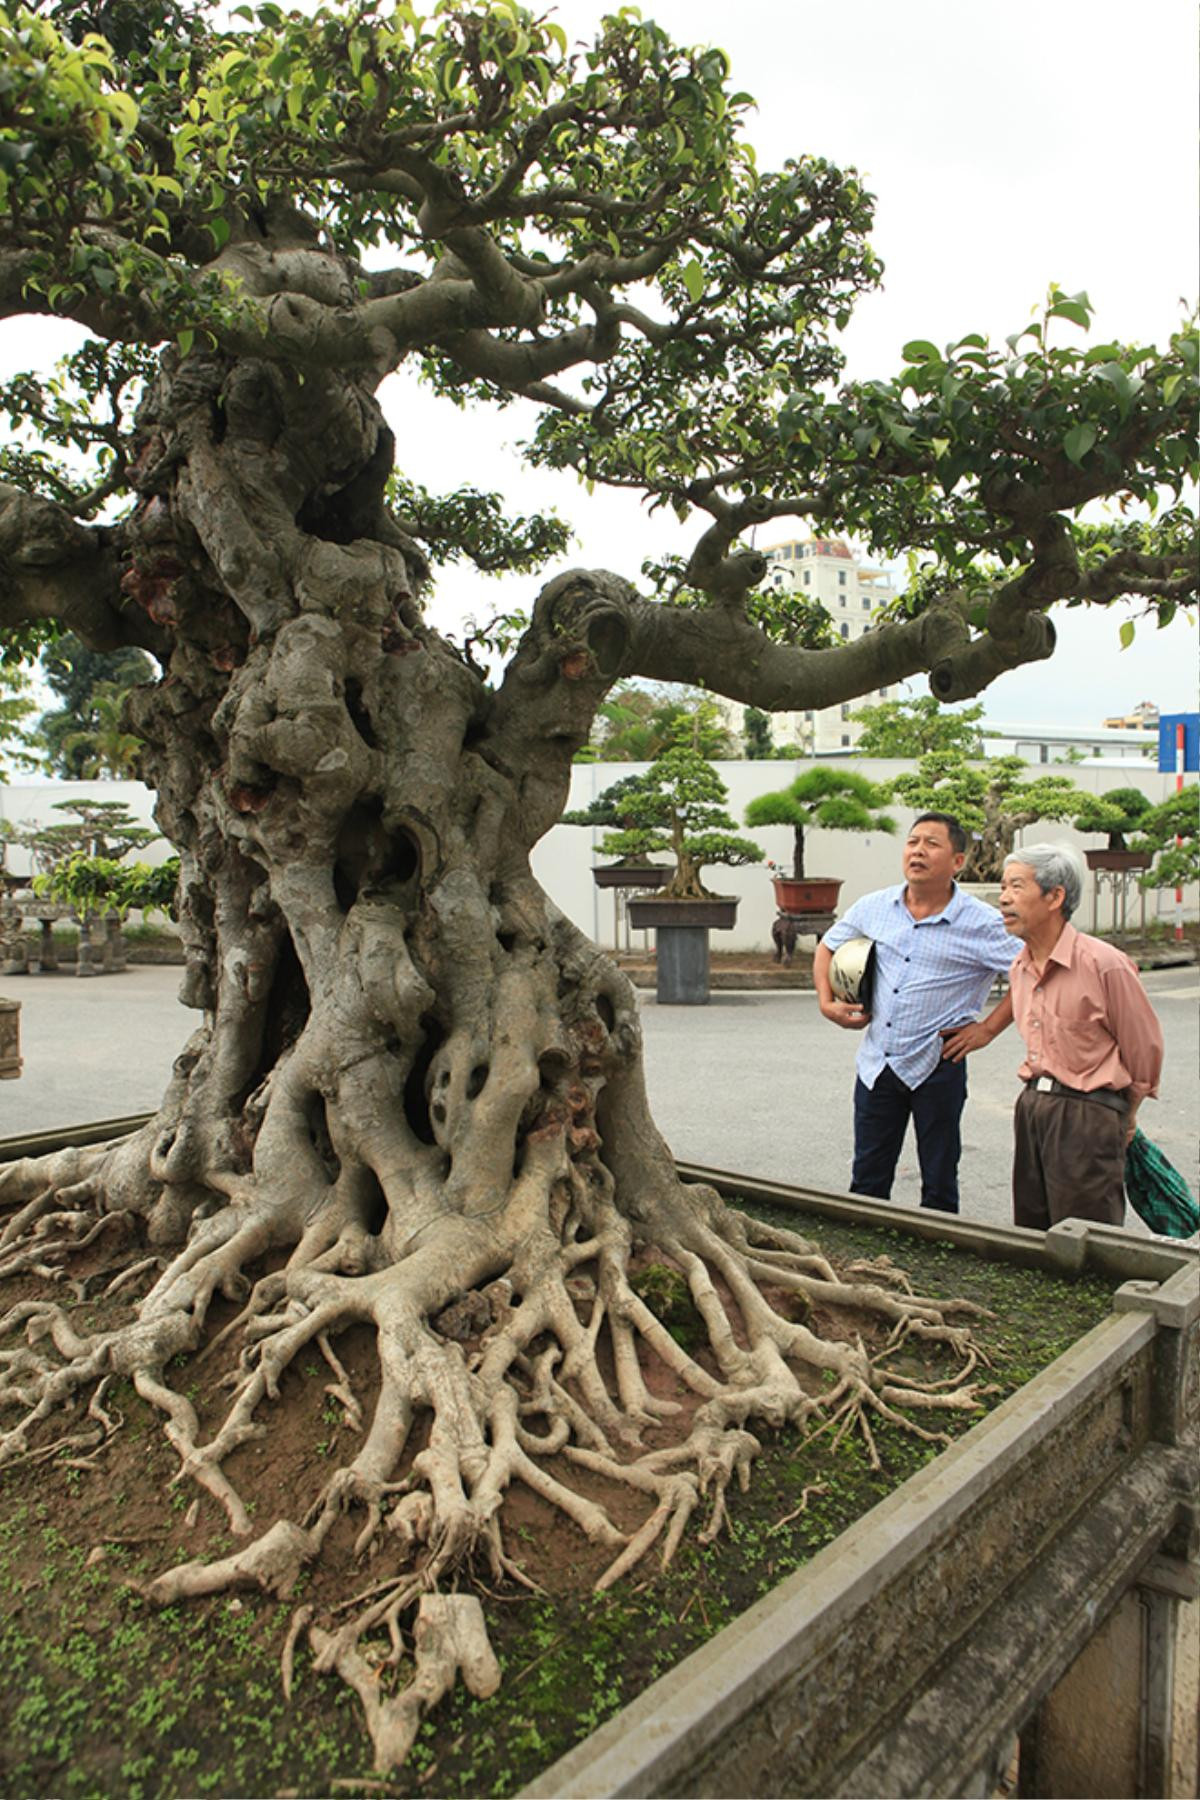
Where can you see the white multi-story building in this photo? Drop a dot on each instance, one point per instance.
(825, 570)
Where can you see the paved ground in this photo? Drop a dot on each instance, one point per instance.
(754, 1082)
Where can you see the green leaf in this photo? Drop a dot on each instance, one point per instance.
(1071, 309)
(693, 281)
(1127, 633)
(1079, 441)
(920, 350)
(1171, 386)
(185, 339)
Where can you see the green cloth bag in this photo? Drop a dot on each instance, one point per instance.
(1157, 1191)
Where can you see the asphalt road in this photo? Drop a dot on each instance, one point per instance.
(757, 1083)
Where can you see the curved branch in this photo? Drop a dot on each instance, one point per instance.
(52, 567)
(720, 649)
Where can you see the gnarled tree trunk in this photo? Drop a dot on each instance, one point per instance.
(414, 1095)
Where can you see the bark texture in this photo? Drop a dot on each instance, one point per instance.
(414, 1095)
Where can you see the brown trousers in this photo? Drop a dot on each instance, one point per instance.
(1068, 1160)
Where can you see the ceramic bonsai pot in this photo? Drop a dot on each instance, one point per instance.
(631, 875)
(657, 912)
(815, 894)
(1117, 859)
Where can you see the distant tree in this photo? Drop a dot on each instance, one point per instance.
(822, 799)
(84, 736)
(16, 709)
(990, 799)
(97, 828)
(915, 727)
(756, 732)
(635, 723)
(1171, 831)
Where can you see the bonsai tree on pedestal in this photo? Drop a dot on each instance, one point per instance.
(989, 799)
(1118, 813)
(677, 806)
(819, 799)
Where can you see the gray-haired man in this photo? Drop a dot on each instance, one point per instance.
(1094, 1048)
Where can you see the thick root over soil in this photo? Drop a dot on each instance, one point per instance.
(513, 1346)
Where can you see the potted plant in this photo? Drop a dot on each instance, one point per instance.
(1117, 813)
(991, 800)
(633, 868)
(819, 799)
(676, 806)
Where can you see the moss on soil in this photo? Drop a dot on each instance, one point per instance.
(103, 1696)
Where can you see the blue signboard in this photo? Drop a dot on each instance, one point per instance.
(1168, 735)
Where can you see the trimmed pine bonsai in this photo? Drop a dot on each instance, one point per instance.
(677, 806)
(1118, 812)
(822, 799)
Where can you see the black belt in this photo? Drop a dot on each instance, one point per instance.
(1046, 1084)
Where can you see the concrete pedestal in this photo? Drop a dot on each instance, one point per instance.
(682, 965)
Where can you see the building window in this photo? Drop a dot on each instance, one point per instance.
(845, 739)
(808, 577)
(866, 603)
(846, 710)
(883, 693)
(841, 577)
(845, 630)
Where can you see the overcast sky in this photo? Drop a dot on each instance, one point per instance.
(1009, 145)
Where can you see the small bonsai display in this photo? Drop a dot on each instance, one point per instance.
(824, 799)
(677, 806)
(989, 799)
(1118, 812)
(611, 808)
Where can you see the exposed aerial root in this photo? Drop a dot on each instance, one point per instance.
(449, 1638)
(511, 1331)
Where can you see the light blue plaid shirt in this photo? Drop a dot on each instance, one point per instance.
(930, 974)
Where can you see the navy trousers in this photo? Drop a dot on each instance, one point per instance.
(881, 1116)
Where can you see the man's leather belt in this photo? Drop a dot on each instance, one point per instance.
(1046, 1084)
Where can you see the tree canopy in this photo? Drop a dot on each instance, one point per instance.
(583, 227)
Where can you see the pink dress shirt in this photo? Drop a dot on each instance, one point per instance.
(1087, 1021)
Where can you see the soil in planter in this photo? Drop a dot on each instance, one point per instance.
(104, 1696)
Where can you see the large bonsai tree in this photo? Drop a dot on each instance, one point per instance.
(413, 1096)
(991, 800)
(824, 799)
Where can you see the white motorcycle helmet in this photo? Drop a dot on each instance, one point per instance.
(852, 971)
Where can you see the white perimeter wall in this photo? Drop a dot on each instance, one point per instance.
(564, 859)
